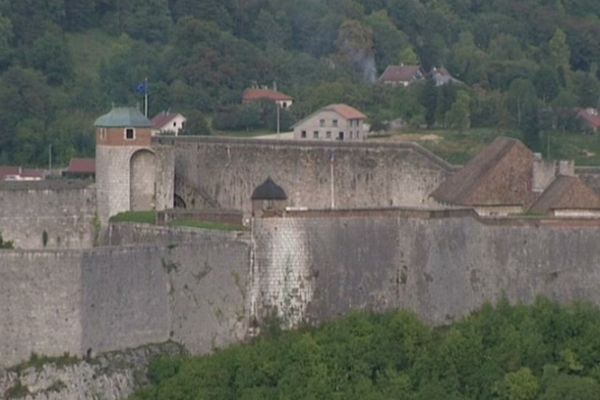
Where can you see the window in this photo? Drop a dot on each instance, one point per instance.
(174, 123)
(103, 133)
(129, 134)
(335, 122)
(322, 122)
(328, 134)
(303, 134)
(316, 134)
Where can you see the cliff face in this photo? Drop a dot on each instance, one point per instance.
(111, 376)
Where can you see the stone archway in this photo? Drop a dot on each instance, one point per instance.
(142, 180)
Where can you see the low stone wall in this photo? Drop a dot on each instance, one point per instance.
(51, 214)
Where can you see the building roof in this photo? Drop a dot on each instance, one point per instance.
(342, 110)
(400, 73)
(254, 94)
(491, 178)
(163, 118)
(82, 166)
(269, 190)
(590, 118)
(122, 117)
(566, 192)
(9, 172)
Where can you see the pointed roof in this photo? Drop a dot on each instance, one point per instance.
(123, 117)
(269, 190)
(254, 94)
(566, 192)
(342, 110)
(499, 175)
(163, 118)
(401, 73)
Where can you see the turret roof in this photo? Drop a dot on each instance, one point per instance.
(122, 117)
(269, 190)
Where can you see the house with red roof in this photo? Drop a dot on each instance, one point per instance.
(168, 123)
(13, 173)
(590, 119)
(332, 122)
(80, 168)
(252, 95)
(401, 75)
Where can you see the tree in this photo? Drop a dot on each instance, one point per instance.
(429, 101)
(519, 385)
(6, 244)
(459, 115)
(355, 49)
(559, 50)
(196, 124)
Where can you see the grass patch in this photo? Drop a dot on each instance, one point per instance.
(205, 225)
(139, 217)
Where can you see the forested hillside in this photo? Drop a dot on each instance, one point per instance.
(525, 63)
(543, 352)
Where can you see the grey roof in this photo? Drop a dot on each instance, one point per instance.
(269, 190)
(122, 117)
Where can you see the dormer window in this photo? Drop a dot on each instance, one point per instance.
(129, 134)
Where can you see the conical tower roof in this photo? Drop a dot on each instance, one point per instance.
(269, 190)
(123, 117)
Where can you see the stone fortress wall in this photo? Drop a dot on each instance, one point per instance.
(441, 264)
(50, 214)
(116, 297)
(220, 172)
(205, 289)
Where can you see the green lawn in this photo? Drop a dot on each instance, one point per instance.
(139, 217)
(205, 225)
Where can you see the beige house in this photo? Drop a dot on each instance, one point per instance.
(333, 122)
(168, 123)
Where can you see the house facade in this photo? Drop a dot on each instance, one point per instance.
(168, 123)
(262, 94)
(333, 122)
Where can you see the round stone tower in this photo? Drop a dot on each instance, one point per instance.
(125, 163)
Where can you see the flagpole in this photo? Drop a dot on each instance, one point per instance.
(146, 97)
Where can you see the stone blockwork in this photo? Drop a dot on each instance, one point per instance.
(440, 265)
(224, 172)
(48, 214)
(182, 288)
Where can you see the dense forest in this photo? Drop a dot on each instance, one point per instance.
(543, 351)
(525, 64)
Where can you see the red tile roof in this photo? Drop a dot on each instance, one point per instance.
(161, 119)
(345, 111)
(10, 172)
(589, 118)
(263, 94)
(82, 166)
(401, 73)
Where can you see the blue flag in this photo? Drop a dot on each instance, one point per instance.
(142, 88)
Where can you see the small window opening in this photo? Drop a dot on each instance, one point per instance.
(129, 133)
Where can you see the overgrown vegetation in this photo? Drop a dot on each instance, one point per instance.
(525, 64)
(6, 244)
(543, 351)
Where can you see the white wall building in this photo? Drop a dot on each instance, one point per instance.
(333, 122)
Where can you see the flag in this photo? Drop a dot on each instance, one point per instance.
(142, 88)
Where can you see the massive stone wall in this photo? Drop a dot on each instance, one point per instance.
(440, 265)
(48, 214)
(224, 172)
(109, 298)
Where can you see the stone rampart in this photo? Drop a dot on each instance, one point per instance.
(441, 266)
(51, 214)
(110, 298)
(224, 172)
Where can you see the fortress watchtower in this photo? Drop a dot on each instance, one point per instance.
(125, 163)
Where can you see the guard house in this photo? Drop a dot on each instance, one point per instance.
(268, 198)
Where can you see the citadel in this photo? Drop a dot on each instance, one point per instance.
(325, 227)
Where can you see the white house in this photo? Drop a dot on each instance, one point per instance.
(168, 123)
(333, 122)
